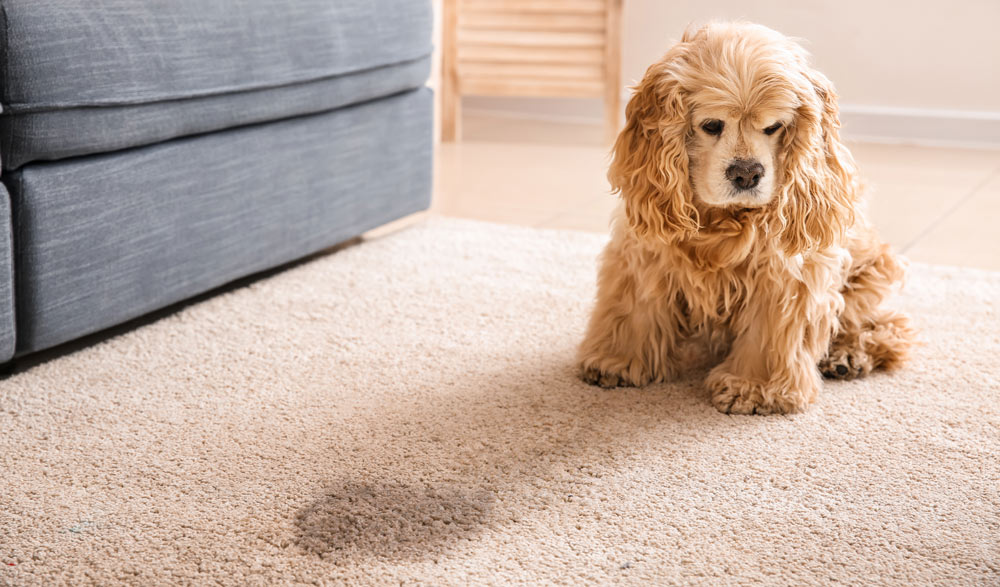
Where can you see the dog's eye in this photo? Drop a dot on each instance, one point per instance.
(772, 129)
(713, 127)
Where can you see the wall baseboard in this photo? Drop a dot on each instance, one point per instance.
(958, 128)
(916, 126)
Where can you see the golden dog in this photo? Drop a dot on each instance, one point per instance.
(741, 232)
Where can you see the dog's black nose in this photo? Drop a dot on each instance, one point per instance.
(745, 173)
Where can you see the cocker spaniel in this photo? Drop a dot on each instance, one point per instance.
(741, 237)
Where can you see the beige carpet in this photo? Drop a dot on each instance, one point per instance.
(406, 411)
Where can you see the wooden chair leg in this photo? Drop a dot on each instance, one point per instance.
(612, 105)
(451, 99)
(451, 117)
(612, 69)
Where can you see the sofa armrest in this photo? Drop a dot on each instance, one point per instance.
(6, 278)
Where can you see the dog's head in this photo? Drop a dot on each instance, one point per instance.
(733, 121)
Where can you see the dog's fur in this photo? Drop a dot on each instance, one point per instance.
(779, 282)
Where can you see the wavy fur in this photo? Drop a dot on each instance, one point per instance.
(767, 292)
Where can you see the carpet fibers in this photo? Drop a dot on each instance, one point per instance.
(406, 411)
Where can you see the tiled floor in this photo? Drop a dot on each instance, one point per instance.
(936, 205)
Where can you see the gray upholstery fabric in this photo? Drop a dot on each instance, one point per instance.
(6, 279)
(103, 239)
(69, 132)
(71, 53)
(80, 77)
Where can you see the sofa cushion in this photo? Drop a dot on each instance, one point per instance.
(69, 132)
(88, 56)
(107, 238)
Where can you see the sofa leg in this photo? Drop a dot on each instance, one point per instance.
(7, 368)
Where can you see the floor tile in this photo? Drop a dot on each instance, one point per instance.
(513, 130)
(969, 236)
(910, 188)
(594, 216)
(519, 176)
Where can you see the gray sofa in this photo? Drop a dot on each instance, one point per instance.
(152, 151)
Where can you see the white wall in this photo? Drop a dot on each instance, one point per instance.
(910, 54)
(905, 70)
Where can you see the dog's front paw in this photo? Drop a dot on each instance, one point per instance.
(732, 394)
(595, 376)
(846, 363)
(608, 376)
(738, 398)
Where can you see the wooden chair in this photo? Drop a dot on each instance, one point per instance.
(559, 48)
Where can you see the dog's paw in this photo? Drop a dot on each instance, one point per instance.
(608, 374)
(734, 395)
(595, 376)
(732, 400)
(844, 363)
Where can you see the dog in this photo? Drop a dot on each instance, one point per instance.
(740, 237)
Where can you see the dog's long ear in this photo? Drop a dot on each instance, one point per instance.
(820, 190)
(650, 163)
